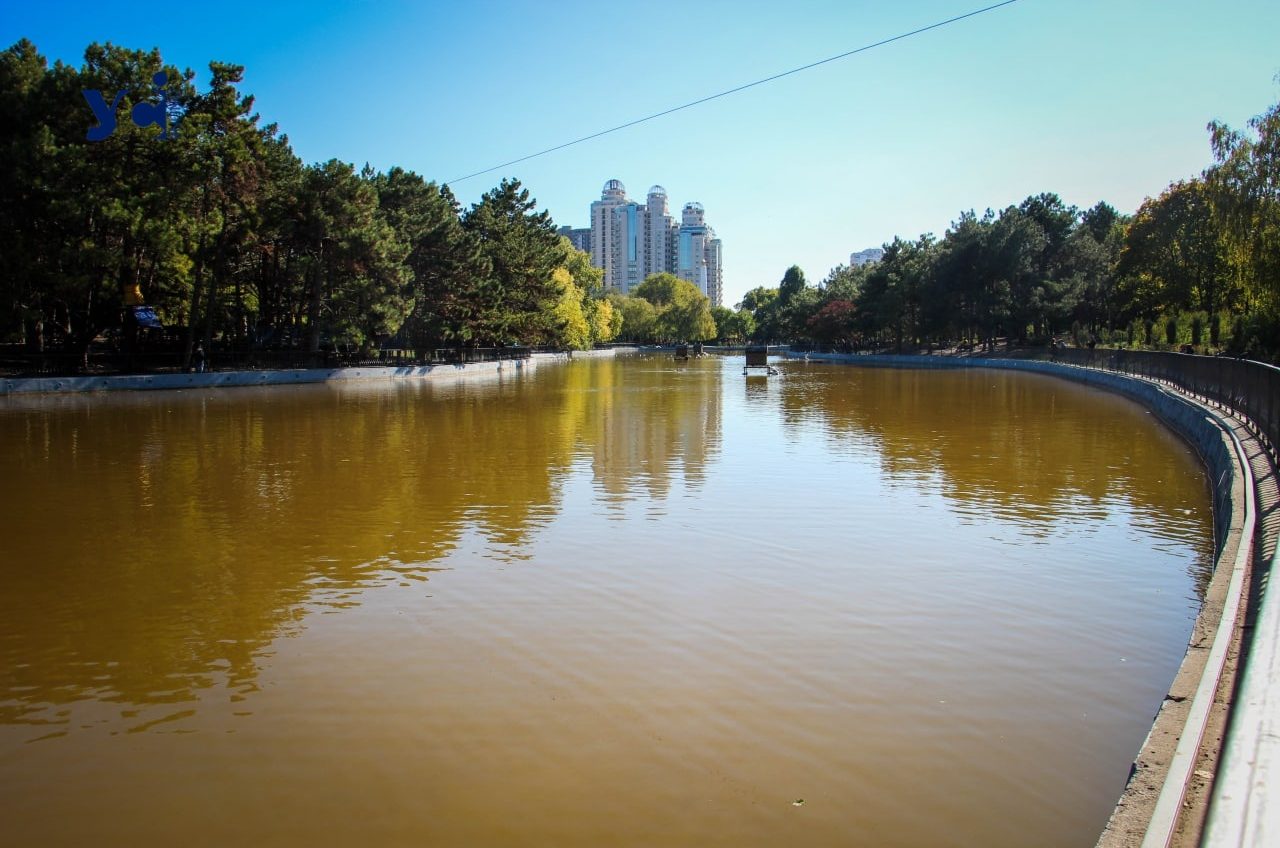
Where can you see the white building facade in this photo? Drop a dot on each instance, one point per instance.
(630, 241)
(866, 257)
(698, 253)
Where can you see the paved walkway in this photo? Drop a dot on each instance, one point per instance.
(1245, 804)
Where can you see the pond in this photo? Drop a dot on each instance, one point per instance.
(606, 602)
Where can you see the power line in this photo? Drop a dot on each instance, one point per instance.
(693, 103)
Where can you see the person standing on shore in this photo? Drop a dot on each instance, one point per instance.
(199, 359)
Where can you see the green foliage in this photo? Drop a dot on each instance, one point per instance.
(1175, 254)
(843, 283)
(766, 312)
(663, 289)
(682, 312)
(758, 298)
(1244, 187)
(356, 277)
(580, 317)
(638, 317)
(225, 232)
(733, 326)
(523, 249)
(1198, 255)
(723, 318)
(588, 277)
(445, 261)
(606, 322)
(792, 284)
(571, 328)
(835, 323)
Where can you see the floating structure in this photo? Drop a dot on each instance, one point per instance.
(758, 357)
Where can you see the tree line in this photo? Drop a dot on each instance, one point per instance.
(227, 235)
(1197, 266)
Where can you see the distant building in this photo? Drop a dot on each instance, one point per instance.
(698, 254)
(630, 241)
(606, 239)
(580, 239)
(866, 257)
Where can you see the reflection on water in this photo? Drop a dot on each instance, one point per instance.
(632, 602)
(1033, 449)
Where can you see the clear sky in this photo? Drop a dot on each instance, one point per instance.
(1092, 99)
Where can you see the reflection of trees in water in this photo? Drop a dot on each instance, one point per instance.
(1027, 447)
(158, 544)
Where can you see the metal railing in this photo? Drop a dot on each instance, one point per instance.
(1247, 387)
(1251, 389)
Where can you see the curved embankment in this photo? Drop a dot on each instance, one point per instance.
(287, 377)
(1167, 794)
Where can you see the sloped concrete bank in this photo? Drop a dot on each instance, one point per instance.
(1166, 797)
(290, 377)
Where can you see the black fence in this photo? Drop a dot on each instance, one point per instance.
(1250, 388)
(16, 363)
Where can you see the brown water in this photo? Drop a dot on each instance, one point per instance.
(602, 603)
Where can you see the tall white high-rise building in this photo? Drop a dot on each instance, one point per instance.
(661, 236)
(604, 251)
(698, 253)
(630, 241)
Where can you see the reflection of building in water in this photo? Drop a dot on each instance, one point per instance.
(653, 426)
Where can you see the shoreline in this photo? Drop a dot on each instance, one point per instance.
(283, 377)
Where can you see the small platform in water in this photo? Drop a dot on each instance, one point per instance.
(683, 353)
(758, 357)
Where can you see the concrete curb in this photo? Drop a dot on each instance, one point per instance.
(290, 377)
(1244, 810)
(231, 379)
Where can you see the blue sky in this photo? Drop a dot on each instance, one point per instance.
(1092, 99)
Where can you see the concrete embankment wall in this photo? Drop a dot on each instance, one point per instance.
(289, 377)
